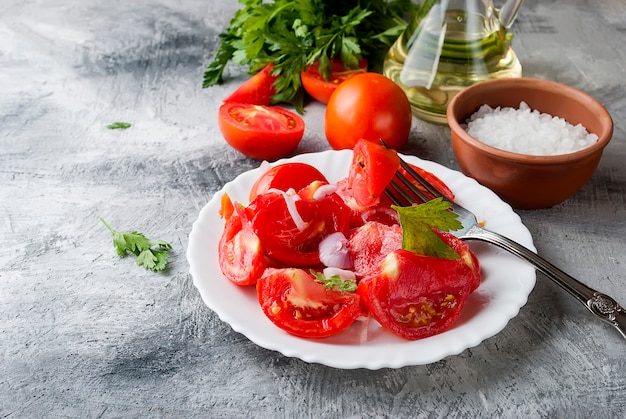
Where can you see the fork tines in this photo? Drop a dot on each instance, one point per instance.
(403, 190)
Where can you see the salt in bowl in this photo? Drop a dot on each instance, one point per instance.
(522, 180)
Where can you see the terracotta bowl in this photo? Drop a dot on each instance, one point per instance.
(527, 181)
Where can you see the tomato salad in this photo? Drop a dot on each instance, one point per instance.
(323, 254)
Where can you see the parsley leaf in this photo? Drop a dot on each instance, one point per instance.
(119, 125)
(293, 34)
(417, 224)
(335, 282)
(151, 254)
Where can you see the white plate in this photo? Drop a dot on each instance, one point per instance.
(506, 284)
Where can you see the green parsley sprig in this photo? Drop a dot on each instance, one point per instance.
(417, 223)
(119, 125)
(293, 34)
(335, 282)
(151, 254)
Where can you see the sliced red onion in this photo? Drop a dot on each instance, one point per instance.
(290, 198)
(334, 251)
(341, 273)
(370, 214)
(324, 190)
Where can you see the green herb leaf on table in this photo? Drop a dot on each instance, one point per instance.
(417, 223)
(293, 34)
(119, 125)
(151, 254)
(335, 282)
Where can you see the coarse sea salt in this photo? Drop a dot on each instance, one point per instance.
(527, 131)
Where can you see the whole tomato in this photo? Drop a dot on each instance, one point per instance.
(368, 106)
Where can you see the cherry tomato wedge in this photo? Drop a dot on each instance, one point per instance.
(373, 166)
(293, 301)
(260, 132)
(295, 242)
(241, 258)
(321, 89)
(257, 90)
(286, 176)
(415, 296)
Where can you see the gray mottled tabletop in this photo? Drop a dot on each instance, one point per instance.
(84, 333)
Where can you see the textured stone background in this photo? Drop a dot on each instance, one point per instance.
(86, 334)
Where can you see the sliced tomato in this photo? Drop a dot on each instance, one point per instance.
(415, 296)
(370, 244)
(260, 132)
(468, 257)
(293, 301)
(433, 180)
(320, 88)
(226, 207)
(257, 90)
(373, 166)
(286, 176)
(241, 258)
(290, 242)
(429, 177)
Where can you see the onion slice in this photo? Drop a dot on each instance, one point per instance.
(291, 197)
(341, 273)
(324, 190)
(334, 251)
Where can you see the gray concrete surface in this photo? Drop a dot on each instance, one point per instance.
(84, 333)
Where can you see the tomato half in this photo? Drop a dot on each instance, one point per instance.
(257, 90)
(293, 301)
(368, 106)
(319, 88)
(284, 240)
(284, 176)
(415, 296)
(241, 258)
(373, 166)
(260, 132)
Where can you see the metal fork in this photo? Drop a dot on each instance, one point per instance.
(403, 192)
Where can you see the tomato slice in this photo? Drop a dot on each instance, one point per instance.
(293, 301)
(373, 166)
(468, 257)
(288, 242)
(321, 89)
(370, 244)
(257, 90)
(226, 207)
(286, 176)
(429, 177)
(241, 258)
(260, 132)
(415, 296)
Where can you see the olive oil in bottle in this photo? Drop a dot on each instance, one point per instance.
(445, 51)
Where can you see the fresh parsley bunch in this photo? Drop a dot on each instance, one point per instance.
(293, 34)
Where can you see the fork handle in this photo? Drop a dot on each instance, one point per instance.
(600, 304)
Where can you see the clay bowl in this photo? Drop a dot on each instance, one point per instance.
(528, 181)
